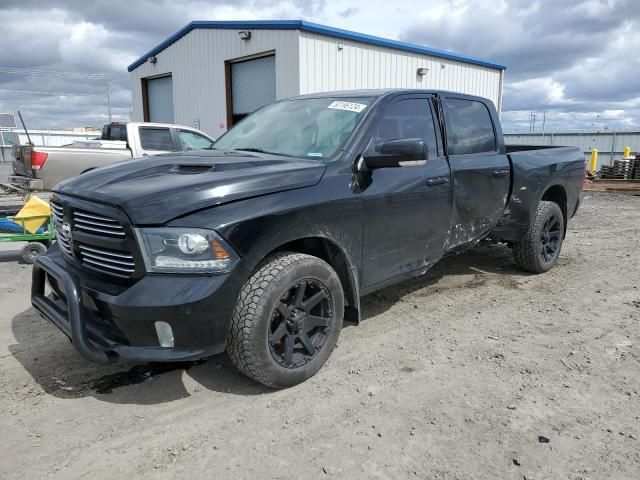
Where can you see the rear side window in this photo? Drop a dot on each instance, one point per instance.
(471, 128)
(115, 132)
(410, 118)
(156, 139)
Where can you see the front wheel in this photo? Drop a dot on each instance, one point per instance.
(287, 320)
(538, 251)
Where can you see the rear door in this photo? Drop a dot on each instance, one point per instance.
(406, 209)
(480, 169)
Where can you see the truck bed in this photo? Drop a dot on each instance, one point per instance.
(61, 163)
(537, 169)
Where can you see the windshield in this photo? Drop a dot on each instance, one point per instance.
(313, 127)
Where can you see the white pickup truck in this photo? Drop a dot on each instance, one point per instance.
(40, 168)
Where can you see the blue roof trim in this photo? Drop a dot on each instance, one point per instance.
(314, 28)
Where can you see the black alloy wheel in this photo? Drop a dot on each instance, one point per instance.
(539, 249)
(300, 323)
(550, 238)
(287, 319)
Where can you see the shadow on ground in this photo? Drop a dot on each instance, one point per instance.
(54, 364)
(476, 263)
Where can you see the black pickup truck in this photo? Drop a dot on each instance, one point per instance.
(263, 245)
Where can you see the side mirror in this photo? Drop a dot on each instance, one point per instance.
(403, 152)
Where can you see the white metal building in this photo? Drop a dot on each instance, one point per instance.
(212, 73)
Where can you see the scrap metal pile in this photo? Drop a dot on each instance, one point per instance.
(622, 170)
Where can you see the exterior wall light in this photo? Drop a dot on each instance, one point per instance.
(244, 35)
(153, 60)
(422, 71)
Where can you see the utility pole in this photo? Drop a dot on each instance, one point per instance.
(532, 127)
(109, 99)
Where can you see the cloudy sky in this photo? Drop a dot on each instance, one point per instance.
(575, 60)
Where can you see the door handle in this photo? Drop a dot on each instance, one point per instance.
(437, 181)
(501, 173)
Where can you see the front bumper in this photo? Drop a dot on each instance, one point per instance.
(106, 325)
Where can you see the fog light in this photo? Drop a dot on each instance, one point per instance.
(165, 334)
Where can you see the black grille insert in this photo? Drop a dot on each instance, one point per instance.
(95, 240)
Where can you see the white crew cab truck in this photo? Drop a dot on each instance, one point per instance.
(40, 168)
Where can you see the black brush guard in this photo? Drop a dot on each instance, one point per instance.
(90, 340)
(71, 322)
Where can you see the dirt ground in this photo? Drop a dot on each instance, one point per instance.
(474, 371)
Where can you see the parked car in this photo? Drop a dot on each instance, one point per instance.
(265, 244)
(40, 168)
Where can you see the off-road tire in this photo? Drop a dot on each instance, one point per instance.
(33, 250)
(528, 252)
(248, 342)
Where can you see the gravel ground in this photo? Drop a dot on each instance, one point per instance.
(473, 371)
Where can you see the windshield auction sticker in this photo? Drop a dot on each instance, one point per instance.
(348, 106)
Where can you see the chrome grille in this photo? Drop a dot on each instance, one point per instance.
(96, 224)
(65, 246)
(58, 219)
(112, 261)
(57, 212)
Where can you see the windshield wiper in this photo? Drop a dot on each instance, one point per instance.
(258, 150)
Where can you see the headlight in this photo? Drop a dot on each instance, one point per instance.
(185, 250)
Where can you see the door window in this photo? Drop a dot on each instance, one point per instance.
(410, 118)
(471, 127)
(156, 139)
(193, 141)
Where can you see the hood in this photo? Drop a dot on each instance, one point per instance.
(155, 190)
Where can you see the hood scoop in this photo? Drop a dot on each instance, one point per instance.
(192, 169)
(155, 190)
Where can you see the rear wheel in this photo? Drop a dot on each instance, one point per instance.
(287, 320)
(539, 249)
(33, 250)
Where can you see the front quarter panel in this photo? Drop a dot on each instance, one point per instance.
(257, 226)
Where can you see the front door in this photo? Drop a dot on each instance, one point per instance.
(406, 209)
(480, 172)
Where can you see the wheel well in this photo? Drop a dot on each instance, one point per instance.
(557, 194)
(334, 256)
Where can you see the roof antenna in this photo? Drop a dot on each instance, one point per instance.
(25, 128)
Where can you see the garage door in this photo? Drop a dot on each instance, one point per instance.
(160, 98)
(253, 85)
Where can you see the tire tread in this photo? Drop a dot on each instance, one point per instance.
(251, 300)
(525, 252)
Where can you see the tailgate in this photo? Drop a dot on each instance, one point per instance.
(22, 160)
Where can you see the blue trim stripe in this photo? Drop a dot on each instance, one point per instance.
(314, 28)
